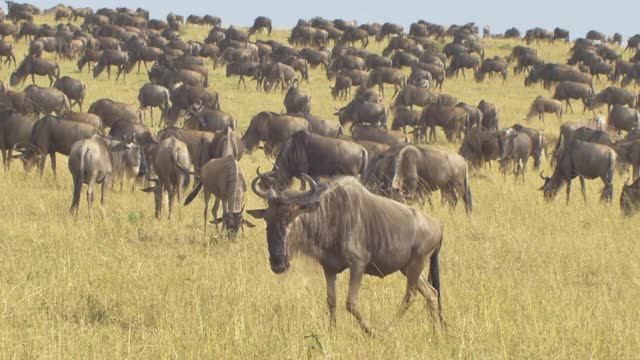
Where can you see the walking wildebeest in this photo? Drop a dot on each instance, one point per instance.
(567, 90)
(453, 121)
(358, 112)
(584, 160)
(15, 133)
(273, 129)
(45, 100)
(542, 105)
(612, 96)
(111, 112)
(151, 96)
(35, 66)
(414, 237)
(75, 90)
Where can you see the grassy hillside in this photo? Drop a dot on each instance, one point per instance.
(521, 278)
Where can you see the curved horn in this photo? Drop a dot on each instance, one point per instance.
(543, 177)
(261, 193)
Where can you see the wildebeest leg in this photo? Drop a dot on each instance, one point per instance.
(109, 72)
(90, 195)
(171, 190)
(5, 163)
(158, 195)
(214, 211)
(33, 78)
(330, 277)
(583, 189)
(569, 106)
(53, 164)
(355, 281)
(207, 197)
(431, 295)
(569, 190)
(105, 183)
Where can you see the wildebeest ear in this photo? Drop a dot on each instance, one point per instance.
(257, 213)
(247, 223)
(308, 208)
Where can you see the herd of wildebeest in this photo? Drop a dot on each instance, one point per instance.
(360, 170)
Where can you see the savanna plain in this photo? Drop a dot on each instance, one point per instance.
(521, 278)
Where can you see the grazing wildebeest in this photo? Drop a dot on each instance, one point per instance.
(280, 74)
(15, 132)
(585, 160)
(379, 135)
(360, 111)
(6, 50)
(317, 156)
(35, 66)
(623, 118)
(612, 96)
(381, 76)
(261, 22)
(553, 73)
(390, 225)
(273, 129)
(490, 117)
(209, 120)
(171, 162)
(567, 90)
(223, 178)
(296, 101)
(481, 146)
(463, 61)
(242, 69)
(420, 170)
(412, 95)
(403, 117)
(542, 105)
(151, 96)
(490, 66)
(452, 119)
(51, 135)
(517, 149)
(342, 87)
(41, 100)
(89, 56)
(111, 111)
(112, 57)
(630, 197)
(74, 89)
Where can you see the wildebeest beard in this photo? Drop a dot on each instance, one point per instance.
(276, 241)
(291, 161)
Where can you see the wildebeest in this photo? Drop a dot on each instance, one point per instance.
(359, 112)
(623, 118)
(542, 105)
(420, 170)
(273, 129)
(6, 50)
(481, 145)
(567, 90)
(452, 119)
(296, 101)
(342, 87)
(403, 117)
(463, 61)
(381, 76)
(517, 149)
(585, 160)
(379, 135)
(612, 96)
(224, 179)
(323, 127)
(171, 162)
(490, 66)
(387, 224)
(15, 133)
(412, 95)
(117, 58)
(242, 69)
(35, 66)
(209, 120)
(630, 197)
(261, 22)
(45, 100)
(538, 143)
(560, 34)
(317, 156)
(75, 90)
(111, 111)
(490, 116)
(51, 135)
(151, 96)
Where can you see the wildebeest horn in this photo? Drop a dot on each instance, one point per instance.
(261, 193)
(543, 177)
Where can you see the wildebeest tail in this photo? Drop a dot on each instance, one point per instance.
(399, 170)
(57, 73)
(78, 180)
(192, 195)
(434, 276)
(540, 148)
(363, 166)
(468, 200)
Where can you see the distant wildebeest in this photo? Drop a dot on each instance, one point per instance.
(35, 66)
(490, 66)
(342, 87)
(242, 69)
(117, 58)
(15, 133)
(403, 117)
(50, 135)
(360, 111)
(171, 163)
(596, 36)
(452, 119)
(463, 61)
(86, 118)
(542, 105)
(112, 111)
(490, 116)
(296, 101)
(554, 73)
(93, 161)
(623, 118)
(561, 34)
(89, 56)
(272, 129)
(481, 146)
(198, 143)
(74, 89)
(538, 143)
(630, 197)
(584, 160)
(6, 50)
(209, 120)
(151, 96)
(518, 148)
(412, 95)
(420, 170)
(41, 100)
(290, 215)
(475, 115)
(567, 90)
(261, 22)
(612, 96)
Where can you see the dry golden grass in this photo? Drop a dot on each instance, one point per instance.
(521, 278)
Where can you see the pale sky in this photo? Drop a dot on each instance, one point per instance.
(576, 16)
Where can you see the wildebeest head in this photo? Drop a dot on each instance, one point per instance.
(551, 186)
(283, 209)
(630, 197)
(29, 157)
